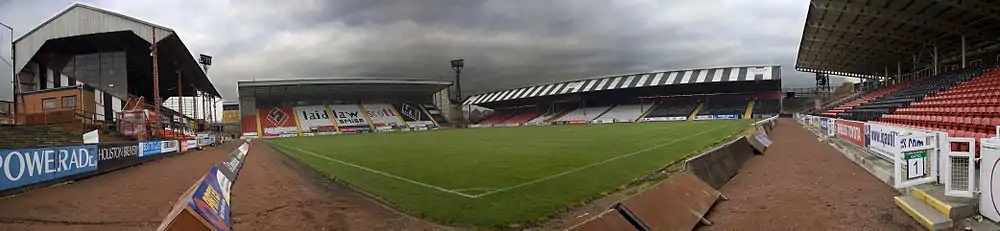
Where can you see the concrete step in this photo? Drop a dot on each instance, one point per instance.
(952, 207)
(923, 213)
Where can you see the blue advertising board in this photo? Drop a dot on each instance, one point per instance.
(726, 117)
(210, 202)
(29, 166)
(150, 148)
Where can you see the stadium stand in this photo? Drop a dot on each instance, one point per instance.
(766, 107)
(969, 109)
(865, 98)
(904, 97)
(383, 116)
(523, 117)
(549, 115)
(836, 103)
(583, 114)
(624, 113)
(724, 107)
(434, 113)
(498, 117)
(674, 109)
(35, 136)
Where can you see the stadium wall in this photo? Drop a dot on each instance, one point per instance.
(682, 201)
(31, 168)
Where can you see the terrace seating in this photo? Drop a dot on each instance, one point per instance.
(522, 117)
(625, 113)
(736, 107)
(904, 97)
(673, 109)
(584, 114)
(547, 115)
(836, 103)
(497, 117)
(970, 109)
(15, 136)
(865, 98)
(766, 107)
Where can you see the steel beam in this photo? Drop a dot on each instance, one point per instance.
(898, 36)
(984, 9)
(901, 17)
(876, 47)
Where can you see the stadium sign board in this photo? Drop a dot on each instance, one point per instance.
(704, 117)
(29, 166)
(169, 146)
(852, 131)
(114, 156)
(888, 141)
(726, 117)
(150, 148)
(658, 119)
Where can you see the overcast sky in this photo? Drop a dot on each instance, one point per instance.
(506, 43)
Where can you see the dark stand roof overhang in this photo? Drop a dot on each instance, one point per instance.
(863, 38)
(350, 88)
(110, 31)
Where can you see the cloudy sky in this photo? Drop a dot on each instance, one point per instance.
(505, 43)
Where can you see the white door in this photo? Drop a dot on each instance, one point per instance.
(990, 179)
(959, 169)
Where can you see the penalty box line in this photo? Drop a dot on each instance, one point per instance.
(594, 164)
(380, 172)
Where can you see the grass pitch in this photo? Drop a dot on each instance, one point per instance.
(502, 177)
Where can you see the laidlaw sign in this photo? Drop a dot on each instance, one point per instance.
(851, 131)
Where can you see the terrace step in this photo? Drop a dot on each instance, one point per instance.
(924, 214)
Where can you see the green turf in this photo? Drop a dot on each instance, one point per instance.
(514, 175)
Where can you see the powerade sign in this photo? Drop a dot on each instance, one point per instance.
(888, 141)
(28, 166)
(150, 148)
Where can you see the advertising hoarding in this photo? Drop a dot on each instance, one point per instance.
(112, 156)
(29, 166)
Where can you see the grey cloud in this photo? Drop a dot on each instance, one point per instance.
(506, 43)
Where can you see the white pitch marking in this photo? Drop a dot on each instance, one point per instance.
(380, 172)
(473, 189)
(594, 164)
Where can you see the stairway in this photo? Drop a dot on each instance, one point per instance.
(928, 205)
(35, 136)
(749, 112)
(695, 112)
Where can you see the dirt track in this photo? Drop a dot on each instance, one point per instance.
(802, 184)
(135, 198)
(271, 193)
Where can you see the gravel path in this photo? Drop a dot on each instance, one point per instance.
(273, 192)
(802, 184)
(135, 198)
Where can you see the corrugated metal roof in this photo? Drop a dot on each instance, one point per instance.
(80, 19)
(648, 79)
